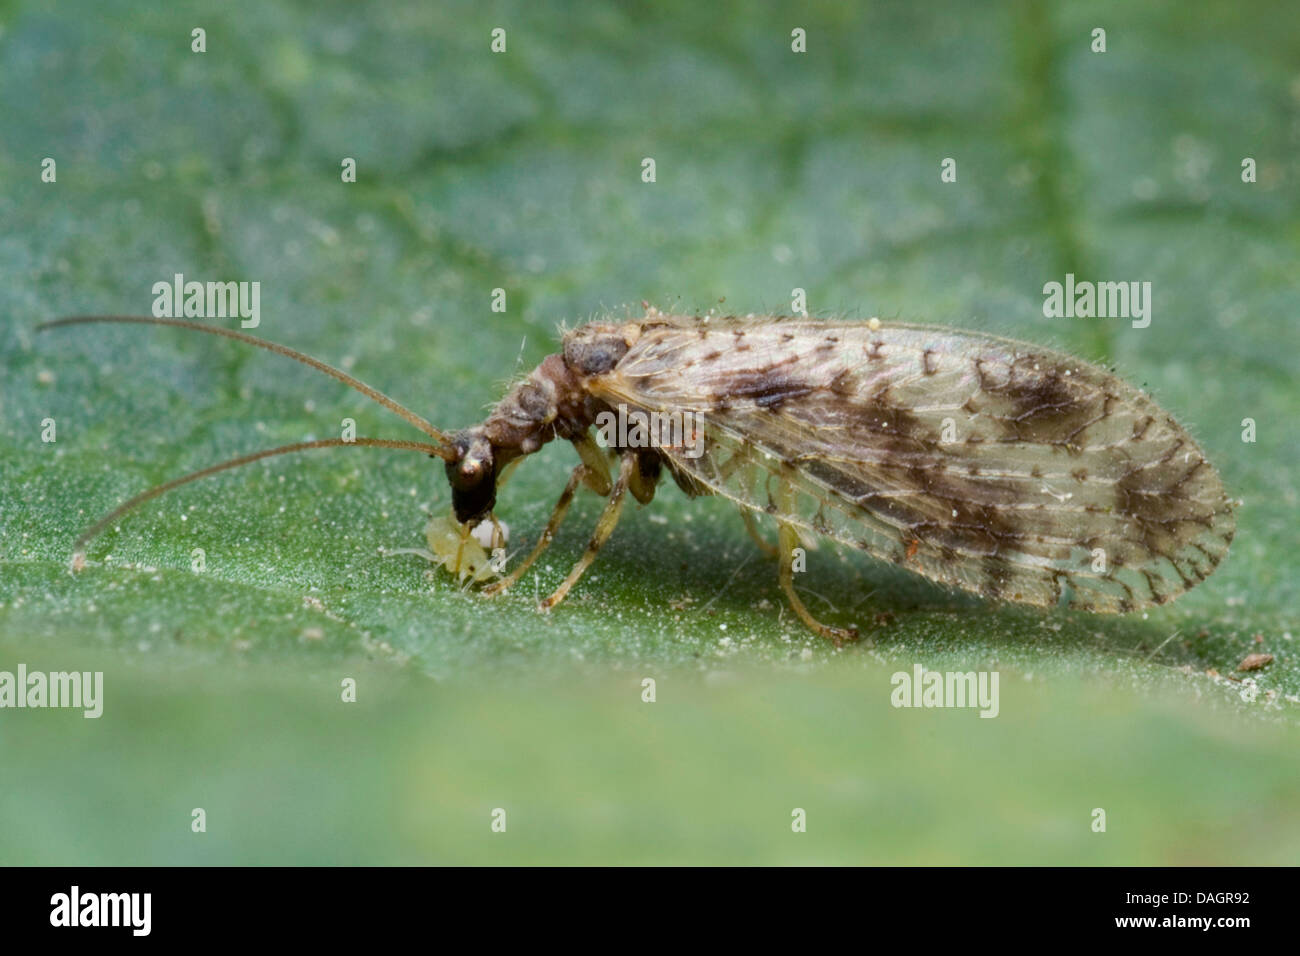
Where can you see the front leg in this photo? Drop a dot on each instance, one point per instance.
(604, 527)
(593, 456)
(578, 475)
(593, 473)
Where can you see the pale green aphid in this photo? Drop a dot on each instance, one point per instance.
(465, 556)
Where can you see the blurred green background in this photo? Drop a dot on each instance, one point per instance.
(522, 171)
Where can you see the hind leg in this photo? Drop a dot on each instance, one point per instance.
(789, 540)
(769, 550)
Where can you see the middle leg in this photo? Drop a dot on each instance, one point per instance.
(604, 527)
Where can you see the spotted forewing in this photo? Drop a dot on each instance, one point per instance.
(982, 463)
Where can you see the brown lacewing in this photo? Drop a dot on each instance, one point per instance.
(993, 466)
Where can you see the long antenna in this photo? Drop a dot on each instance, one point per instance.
(371, 393)
(79, 546)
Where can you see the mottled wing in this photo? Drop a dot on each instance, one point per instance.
(982, 463)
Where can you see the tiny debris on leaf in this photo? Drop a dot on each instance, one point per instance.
(1253, 662)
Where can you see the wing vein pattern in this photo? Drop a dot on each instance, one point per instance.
(985, 464)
